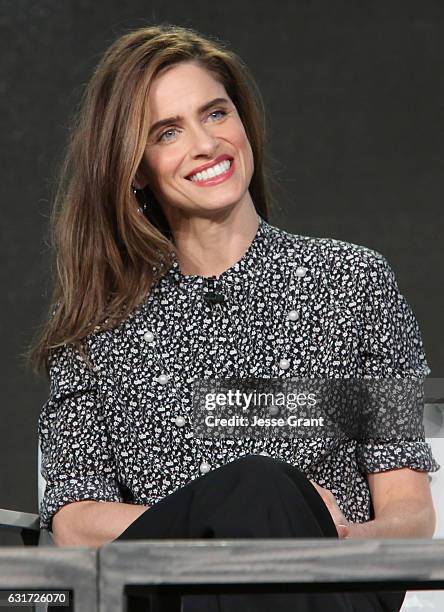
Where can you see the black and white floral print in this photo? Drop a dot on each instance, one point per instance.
(123, 432)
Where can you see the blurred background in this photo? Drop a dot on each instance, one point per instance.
(353, 92)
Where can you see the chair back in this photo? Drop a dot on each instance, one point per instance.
(41, 482)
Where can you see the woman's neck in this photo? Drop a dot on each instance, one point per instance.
(209, 246)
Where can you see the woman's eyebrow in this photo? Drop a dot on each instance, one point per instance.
(201, 109)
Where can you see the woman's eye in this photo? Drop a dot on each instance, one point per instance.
(161, 137)
(218, 111)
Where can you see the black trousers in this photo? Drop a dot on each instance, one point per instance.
(253, 497)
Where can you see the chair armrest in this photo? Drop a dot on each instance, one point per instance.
(16, 521)
(28, 526)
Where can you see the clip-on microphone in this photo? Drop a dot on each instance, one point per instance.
(212, 296)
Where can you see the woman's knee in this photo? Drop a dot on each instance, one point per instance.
(263, 469)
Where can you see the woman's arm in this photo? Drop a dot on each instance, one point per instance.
(91, 523)
(403, 505)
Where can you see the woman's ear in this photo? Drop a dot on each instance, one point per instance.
(139, 182)
(141, 179)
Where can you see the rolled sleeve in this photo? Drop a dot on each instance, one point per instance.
(392, 347)
(77, 457)
(416, 455)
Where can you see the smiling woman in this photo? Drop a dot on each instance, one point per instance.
(202, 202)
(164, 103)
(198, 287)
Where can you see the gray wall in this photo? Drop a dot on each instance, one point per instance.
(354, 95)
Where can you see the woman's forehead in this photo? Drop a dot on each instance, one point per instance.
(184, 84)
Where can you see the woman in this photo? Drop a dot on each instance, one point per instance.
(200, 286)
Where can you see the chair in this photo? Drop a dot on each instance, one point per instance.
(28, 524)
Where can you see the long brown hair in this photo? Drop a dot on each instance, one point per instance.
(105, 254)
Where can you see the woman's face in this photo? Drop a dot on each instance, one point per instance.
(194, 137)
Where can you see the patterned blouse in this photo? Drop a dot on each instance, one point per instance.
(295, 306)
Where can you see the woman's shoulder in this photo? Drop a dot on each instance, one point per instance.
(328, 251)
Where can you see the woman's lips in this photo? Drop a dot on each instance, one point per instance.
(215, 180)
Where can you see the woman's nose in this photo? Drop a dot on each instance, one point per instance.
(202, 141)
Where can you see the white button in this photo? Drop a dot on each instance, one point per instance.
(148, 336)
(163, 379)
(180, 421)
(204, 467)
(301, 271)
(293, 315)
(284, 364)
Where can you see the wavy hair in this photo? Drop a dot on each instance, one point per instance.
(105, 255)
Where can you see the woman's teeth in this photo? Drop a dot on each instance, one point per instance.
(211, 172)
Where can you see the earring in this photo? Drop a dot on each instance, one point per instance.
(144, 203)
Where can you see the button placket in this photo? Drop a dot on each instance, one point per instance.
(165, 378)
(149, 337)
(217, 318)
(293, 315)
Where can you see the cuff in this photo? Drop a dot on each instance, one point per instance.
(57, 495)
(416, 455)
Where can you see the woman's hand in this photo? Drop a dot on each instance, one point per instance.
(341, 523)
